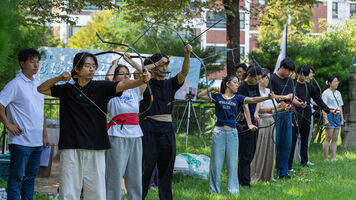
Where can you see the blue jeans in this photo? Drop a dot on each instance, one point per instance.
(334, 121)
(224, 142)
(24, 165)
(283, 141)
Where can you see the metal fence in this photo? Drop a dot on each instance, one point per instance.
(204, 116)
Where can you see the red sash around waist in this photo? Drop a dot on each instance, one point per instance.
(288, 102)
(132, 119)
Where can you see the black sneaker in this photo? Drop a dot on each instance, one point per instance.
(304, 165)
(284, 177)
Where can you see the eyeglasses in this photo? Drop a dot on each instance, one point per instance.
(88, 66)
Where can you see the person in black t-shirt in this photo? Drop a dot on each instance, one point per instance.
(159, 144)
(83, 135)
(304, 92)
(247, 128)
(281, 85)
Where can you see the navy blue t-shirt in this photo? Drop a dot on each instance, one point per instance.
(226, 109)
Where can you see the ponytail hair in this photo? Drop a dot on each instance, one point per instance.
(328, 81)
(225, 80)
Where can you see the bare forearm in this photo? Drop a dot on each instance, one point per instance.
(247, 114)
(255, 99)
(128, 84)
(186, 65)
(296, 102)
(3, 117)
(135, 65)
(44, 127)
(204, 94)
(185, 69)
(258, 107)
(341, 114)
(150, 67)
(110, 74)
(45, 86)
(325, 116)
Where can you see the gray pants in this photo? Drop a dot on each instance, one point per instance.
(297, 147)
(124, 160)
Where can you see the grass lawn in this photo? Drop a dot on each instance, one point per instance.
(324, 180)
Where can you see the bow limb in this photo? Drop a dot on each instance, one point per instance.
(143, 67)
(320, 92)
(184, 43)
(274, 104)
(115, 52)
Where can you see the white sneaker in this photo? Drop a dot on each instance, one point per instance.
(334, 159)
(291, 170)
(310, 163)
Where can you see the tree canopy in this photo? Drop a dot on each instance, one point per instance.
(334, 52)
(114, 27)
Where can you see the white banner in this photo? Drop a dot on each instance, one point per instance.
(57, 60)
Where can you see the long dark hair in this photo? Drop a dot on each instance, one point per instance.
(79, 60)
(225, 80)
(328, 81)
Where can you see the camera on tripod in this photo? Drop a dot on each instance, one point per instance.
(190, 95)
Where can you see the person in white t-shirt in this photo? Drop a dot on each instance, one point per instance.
(332, 122)
(124, 159)
(25, 121)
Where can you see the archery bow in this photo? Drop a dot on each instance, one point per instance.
(143, 67)
(184, 43)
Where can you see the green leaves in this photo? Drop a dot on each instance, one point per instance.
(332, 53)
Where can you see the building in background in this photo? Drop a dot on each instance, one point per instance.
(331, 11)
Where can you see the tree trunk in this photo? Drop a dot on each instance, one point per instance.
(232, 34)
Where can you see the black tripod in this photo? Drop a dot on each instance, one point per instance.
(189, 99)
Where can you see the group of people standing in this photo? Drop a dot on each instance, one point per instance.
(94, 155)
(255, 113)
(260, 118)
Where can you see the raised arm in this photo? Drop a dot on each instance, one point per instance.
(129, 84)
(134, 64)
(186, 64)
(204, 94)
(110, 74)
(45, 87)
